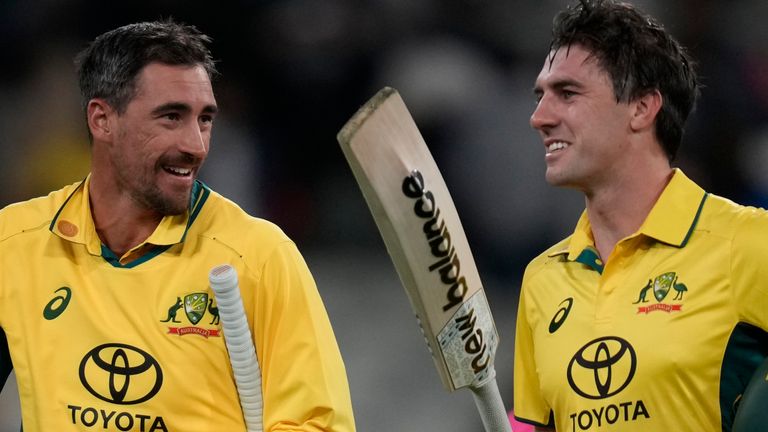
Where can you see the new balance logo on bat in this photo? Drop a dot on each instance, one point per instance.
(439, 239)
(473, 341)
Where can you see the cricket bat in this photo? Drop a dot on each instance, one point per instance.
(421, 229)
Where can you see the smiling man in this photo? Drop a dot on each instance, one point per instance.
(104, 298)
(146, 155)
(594, 349)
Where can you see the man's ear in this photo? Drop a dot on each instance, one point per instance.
(646, 108)
(100, 116)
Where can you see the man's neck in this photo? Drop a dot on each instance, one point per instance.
(120, 222)
(619, 210)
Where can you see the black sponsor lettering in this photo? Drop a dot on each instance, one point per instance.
(469, 323)
(124, 425)
(441, 246)
(449, 273)
(456, 293)
(158, 425)
(608, 414)
(640, 410)
(480, 361)
(448, 266)
(473, 341)
(442, 262)
(434, 226)
(438, 238)
(585, 420)
(124, 421)
(474, 344)
(425, 206)
(413, 185)
(89, 412)
(106, 416)
(74, 410)
(142, 419)
(599, 416)
(626, 406)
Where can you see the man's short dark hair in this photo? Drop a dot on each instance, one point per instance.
(639, 56)
(108, 67)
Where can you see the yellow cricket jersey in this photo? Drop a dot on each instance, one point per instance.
(101, 345)
(663, 337)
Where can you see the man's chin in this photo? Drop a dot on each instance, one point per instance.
(554, 178)
(560, 179)
(176, 206)
(170, 205)
(175, 211)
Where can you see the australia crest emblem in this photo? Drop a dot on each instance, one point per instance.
(660, 287)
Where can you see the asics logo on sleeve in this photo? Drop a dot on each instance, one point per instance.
(58, 304)
(561, 314)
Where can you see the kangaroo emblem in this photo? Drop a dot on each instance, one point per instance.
(644, 292)
(680, 288)
(213, 311)
(172, 311)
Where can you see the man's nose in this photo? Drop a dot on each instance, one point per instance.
(195, 141)
(543, 116)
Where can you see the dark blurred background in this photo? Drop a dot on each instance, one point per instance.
(293, 72)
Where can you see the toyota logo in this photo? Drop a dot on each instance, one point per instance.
(602, 368)
(120, 374)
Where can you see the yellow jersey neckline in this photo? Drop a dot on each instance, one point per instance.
(74, 222)
(671, 220)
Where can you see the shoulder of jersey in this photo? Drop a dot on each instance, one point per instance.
(33, 214)
(723, 216)
(224, 220)
(547, 257)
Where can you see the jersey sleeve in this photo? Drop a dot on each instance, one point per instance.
(303, 376)
(749, 269)
(529, 404)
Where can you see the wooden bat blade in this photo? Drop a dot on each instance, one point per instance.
(423, 234)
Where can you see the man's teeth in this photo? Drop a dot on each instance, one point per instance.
(179, 171)
(559, 145)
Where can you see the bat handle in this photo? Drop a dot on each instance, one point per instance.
(239, 343)
(491, 407)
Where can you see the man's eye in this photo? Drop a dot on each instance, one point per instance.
(206, 119)
(172, 116)
(567, 94)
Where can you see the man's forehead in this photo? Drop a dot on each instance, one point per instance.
(574, 55)
(158, 83)
(161, 74)
(570, 60)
